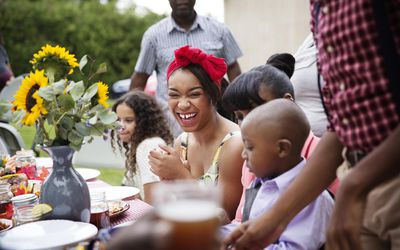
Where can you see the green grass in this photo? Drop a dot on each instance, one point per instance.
(112, 176)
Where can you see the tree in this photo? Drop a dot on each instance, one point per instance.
(83, 26)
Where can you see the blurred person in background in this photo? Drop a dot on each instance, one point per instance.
(305, 84)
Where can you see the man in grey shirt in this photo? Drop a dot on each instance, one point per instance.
(183, 27)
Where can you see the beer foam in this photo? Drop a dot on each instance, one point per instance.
(188, 210)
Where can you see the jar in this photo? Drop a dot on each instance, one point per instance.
(6, 207)
(99, 212)
(25, 214)
(21, 201)
(25, 158)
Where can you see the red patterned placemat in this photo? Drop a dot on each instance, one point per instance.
(137, 209)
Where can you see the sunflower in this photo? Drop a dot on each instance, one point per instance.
(28, 99)
(51, 56)
(102, 94)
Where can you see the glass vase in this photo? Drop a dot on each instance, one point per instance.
(64, 189)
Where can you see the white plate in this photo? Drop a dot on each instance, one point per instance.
(47, 234)
(88, 173)
(116, 208)
(125, 224)
(46, 162)
(117, 192)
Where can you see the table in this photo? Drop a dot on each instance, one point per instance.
(137, 207)
(136, 210)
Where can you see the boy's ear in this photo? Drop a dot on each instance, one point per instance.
(284, 147)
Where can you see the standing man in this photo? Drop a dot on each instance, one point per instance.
(358, 45)
(183, 27)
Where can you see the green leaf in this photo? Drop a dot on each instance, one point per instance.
(74, 137)
(67, 122)
(97, 108)
(5, 106)
(75, 147)
(39, 137)
(93, 120)
(63, 133)
(107, 116)
(90, 92)
(47, 93)
(66, 102)
(18, 116)
(50, 118)
(83, 62)
(101, 69)
(97, 129)
(59, 87)
(91, 138)
(82, 129)
(76, 89)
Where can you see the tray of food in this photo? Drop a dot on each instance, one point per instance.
(5, 224)
(116, 208)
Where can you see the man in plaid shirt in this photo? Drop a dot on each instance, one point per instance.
(364, 131)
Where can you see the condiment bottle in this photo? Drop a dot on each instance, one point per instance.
(19, 203)
(26, 214)
(6, 207)
(25, 158)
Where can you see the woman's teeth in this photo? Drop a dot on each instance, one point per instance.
(187, 116)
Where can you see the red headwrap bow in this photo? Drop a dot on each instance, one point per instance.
(214, 66)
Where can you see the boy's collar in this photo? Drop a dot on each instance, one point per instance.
(282, 180)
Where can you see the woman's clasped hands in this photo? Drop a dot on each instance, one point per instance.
(167, 164)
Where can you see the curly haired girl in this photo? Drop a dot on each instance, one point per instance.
(143, 128)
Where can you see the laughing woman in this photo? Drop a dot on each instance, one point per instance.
(210, 147)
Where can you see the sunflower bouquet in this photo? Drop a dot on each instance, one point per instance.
(65, 112)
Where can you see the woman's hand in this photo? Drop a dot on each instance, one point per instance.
(167, 164)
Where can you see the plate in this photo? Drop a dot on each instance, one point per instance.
(5, 225)
(116, 208)
(46, 162)
(125, 224)
(114, 193)
(47, 234)
(88, 173)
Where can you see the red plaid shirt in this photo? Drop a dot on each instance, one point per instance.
(361, 107)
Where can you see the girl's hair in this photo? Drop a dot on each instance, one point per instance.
(150, 122)
(242, 93)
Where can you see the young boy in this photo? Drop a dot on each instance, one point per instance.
(273, 136)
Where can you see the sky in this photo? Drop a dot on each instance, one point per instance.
(214, 8)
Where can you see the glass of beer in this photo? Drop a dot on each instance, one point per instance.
(192, 210)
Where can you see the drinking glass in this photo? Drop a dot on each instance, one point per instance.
(99, 212)
(192, 210)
